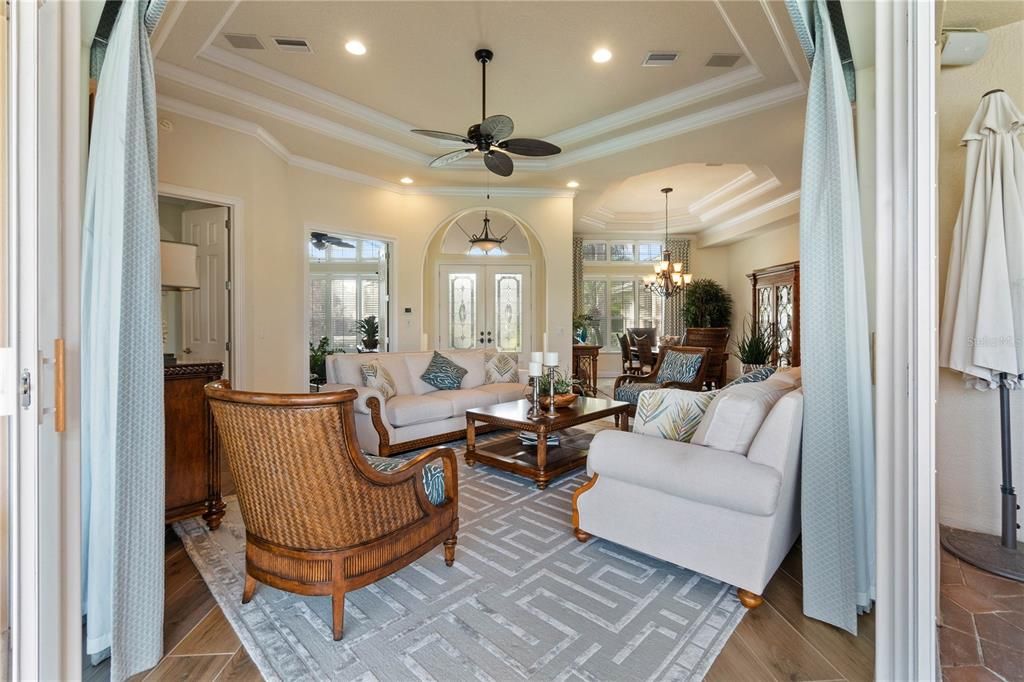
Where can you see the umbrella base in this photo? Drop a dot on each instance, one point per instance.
(984, 551)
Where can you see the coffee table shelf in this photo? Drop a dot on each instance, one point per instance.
(541, 463)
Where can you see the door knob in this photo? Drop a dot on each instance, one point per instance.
(187, 351)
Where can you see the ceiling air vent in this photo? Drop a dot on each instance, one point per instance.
(660, 58)
(292, 44)
(725, 60)
(243, 42)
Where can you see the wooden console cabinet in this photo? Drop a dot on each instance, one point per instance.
(776, 306)
(192, 455)
(584, 366)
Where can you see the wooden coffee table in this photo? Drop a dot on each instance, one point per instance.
(540, 463)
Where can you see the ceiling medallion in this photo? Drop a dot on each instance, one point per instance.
(668, 278)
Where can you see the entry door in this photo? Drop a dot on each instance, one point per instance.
(486, 306)
(205, 312)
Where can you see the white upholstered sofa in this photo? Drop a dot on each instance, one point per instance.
(419, 415)
(729, 515)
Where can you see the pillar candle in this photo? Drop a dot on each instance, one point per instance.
(551, 359)
(536, 369)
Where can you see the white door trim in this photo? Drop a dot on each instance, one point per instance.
(238, 334)
(907, 364)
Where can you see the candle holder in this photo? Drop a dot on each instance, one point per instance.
(552, 411)
(535, 411)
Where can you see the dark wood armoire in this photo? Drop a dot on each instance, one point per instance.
(776, 306)
(193, 479)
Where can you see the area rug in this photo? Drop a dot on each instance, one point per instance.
(524, 601)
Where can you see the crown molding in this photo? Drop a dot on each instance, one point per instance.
(722, 191)
(311, 92)
(701, 119)
(164, 26)
(786, 52)
(239, 125)
(287, 113)
(685, 97)
(725, 231)
(740, 199)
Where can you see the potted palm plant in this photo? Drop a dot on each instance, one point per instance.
(369, 329)
(755, 347)
(707, 305)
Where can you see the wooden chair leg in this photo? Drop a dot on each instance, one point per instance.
(581, 535)
(337, 613)
(249, 589)
(449, 550)
(749, 599)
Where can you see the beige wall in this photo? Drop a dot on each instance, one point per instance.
(282, 202)
(967, 433)
(729, 265)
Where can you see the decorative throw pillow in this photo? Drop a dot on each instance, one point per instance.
(759, 374)
(670, 413)
(501, 368)
(736, 414)
(376, 376)
(443, 374)
(680, 367)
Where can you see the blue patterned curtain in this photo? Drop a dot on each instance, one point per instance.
(673, 324)
(122, 375)
(838, 466)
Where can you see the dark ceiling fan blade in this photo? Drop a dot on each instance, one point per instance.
(497, 127)
(321, 240)
(526, 146)
(499, 163)
(438, 135)
(450, 157)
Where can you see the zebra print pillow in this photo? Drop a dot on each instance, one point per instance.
(443, 374)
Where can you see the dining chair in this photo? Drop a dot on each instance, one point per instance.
(628, 357)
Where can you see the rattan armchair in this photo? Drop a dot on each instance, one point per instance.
(319, 520)
(650, 380)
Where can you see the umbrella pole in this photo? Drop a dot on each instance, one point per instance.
(1009, 538)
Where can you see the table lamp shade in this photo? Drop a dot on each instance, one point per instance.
(178, 266)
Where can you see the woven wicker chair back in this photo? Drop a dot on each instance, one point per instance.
(299, 472)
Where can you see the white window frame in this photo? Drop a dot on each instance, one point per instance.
(634, 243)
(360, 278)
(605, 329)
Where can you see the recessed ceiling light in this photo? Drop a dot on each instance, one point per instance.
(572, 184)
(406, 180)
(601, 55)
(355, 47)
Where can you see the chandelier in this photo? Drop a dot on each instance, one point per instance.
(668, 278)
(485, 241)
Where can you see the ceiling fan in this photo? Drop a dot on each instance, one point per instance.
(321, 240)
(490, 136)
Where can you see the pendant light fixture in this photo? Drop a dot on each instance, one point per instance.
(485, 241)
(668, 278)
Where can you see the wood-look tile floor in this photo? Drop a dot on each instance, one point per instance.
(981, 624)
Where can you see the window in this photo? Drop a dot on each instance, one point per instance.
(347, 284)
(626, 251)
(617, 303)
(595, 251)
(622, 252)
(648, 252)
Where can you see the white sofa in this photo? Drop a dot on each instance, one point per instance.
(419, 415)
(730, 516)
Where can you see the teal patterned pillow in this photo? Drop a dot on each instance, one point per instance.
(680, 367)
(443, 374)
(670, 413)
(433, 475)
(759, 374)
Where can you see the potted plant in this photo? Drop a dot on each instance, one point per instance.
(755, 347)
(318, 361)
(369, 329)
(581, 323)
(707, 304)
(565, 387)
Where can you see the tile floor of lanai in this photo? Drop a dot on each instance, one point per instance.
(981, 624)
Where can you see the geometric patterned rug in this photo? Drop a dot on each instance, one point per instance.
(524, 601)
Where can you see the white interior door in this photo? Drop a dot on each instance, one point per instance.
(205, 312)
(485, 306)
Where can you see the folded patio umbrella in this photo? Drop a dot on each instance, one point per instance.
(982, 332)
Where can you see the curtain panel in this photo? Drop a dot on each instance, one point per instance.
(838, 479)
(673, 324)
(122, 366)
(577, 275)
